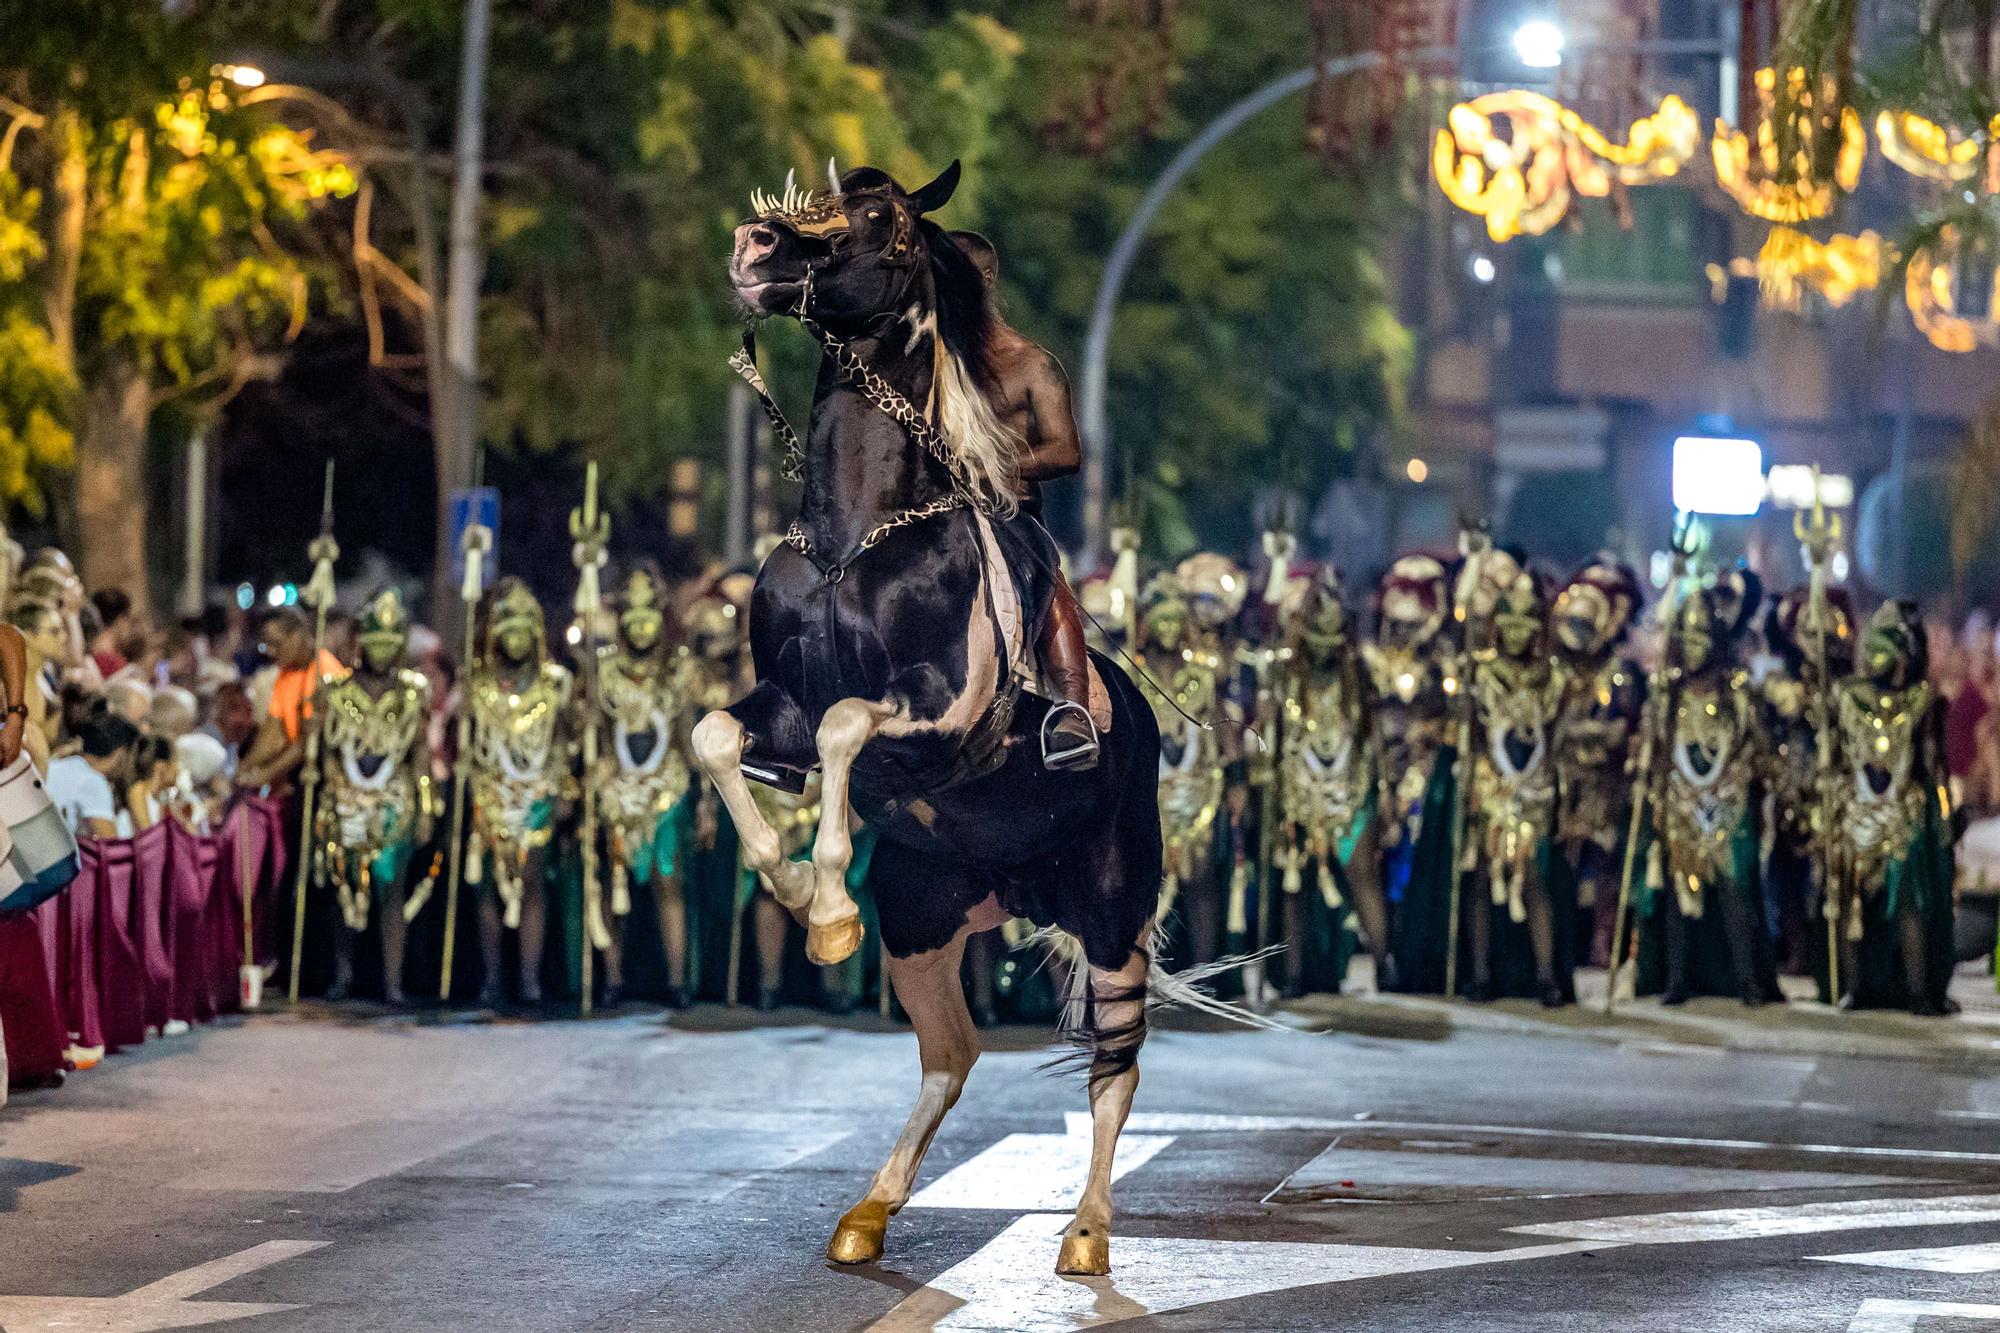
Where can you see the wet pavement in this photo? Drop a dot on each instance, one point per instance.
(1398, 1164)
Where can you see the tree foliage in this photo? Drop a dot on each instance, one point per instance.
(150, 225)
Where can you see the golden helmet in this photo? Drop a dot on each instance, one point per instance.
(1214, 587)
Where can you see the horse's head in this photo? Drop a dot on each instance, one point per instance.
(861, 255)
(862, 244)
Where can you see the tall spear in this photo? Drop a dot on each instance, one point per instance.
(1474, 543)
(589, 529)
(1817, 535)
(319, 593)
(1654, 723)
(475, 543)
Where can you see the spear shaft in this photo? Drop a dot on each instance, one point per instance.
(590, 529)
(1654, 724)
(323, 551)
(474, 544)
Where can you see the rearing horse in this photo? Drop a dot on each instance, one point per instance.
(882, 633)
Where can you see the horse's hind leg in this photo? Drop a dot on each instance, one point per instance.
(718, 745)
(947, 1043)
(1114, 1021)
(833, 923)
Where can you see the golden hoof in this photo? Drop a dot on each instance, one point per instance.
(835, 943)
(1084, 1253)
(857, 1239)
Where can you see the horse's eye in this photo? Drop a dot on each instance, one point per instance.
(874, 215)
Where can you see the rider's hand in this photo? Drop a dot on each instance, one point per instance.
(10, 738)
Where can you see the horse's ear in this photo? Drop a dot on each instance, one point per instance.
(938, 193)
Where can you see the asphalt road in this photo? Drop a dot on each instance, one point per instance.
(1418, 1166)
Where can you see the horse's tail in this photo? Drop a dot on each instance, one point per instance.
(1091, 1020)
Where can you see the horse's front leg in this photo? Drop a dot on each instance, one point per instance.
(833, 923)
(718, 746)
(1115, 1025)
(947, 1043)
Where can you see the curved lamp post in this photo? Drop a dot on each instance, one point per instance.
(1097, 343)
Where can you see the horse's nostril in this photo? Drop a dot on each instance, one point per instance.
(763, 238)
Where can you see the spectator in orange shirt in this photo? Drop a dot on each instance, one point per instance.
(278, 749)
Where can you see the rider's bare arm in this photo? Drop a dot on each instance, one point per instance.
(1052, 448)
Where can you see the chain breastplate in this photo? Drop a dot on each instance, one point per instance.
(643, 772)
(1709, 774)
(1327, 769)
(516, 759)
(1410, 705)
(368, 741)
(1882, 797)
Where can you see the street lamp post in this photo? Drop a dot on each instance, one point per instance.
(1546, 46)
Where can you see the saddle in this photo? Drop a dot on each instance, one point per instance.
(1020, 564)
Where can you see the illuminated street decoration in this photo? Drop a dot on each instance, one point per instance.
(1793, 263)
(1930, 288)
(1925, 148)
(1522, 182)
(1776, 177)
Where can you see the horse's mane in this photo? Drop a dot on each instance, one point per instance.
(965, 377)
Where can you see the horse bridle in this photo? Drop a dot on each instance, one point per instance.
(884, 397)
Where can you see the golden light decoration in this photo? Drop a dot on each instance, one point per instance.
(1926, 148)
(1793, 263)
(1780, 186)
(1930, 288)
(1522, 181)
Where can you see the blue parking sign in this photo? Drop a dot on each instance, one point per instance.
(469, 505)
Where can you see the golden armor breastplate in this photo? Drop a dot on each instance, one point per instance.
(1881, 799)
(1709, 773)
(517, 762)
(1593, 738)
(1327, 768)
(643, 772)
(371, 786)
(1513, 776)
(1411, 691)
(1191, 778)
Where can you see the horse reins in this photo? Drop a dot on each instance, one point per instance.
(885, 398)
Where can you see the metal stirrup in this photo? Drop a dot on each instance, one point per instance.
(1056, 710)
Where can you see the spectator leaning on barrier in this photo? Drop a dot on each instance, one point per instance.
(81, 784)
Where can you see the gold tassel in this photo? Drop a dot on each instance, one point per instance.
(1329, 887)
(1688, 891)
(621, 887)
(1239, 893)
(1294, 880)
(1656, 875)
(421, 894)
(475, 858)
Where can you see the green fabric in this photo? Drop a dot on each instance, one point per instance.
(1711, 967)
(1420, 931)
(1917, 883)
(660, 854)
(1352, 838)
(386, 869)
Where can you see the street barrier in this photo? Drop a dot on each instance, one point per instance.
(150, 933)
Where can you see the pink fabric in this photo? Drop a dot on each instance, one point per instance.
(28, 1012)
(151, 924)
(151, 930)
(121, 977)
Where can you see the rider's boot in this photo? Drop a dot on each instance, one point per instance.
(1069, 736)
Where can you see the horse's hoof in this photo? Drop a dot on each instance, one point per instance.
(857, 1239)
(1085, 1253)
(834, 942)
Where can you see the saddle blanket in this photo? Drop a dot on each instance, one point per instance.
(1006, 594)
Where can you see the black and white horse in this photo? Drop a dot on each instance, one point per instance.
(881, 634)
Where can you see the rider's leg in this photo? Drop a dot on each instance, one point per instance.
(1071, 742)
